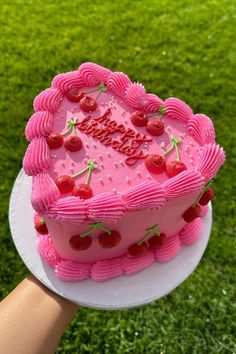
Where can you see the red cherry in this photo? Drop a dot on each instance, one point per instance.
(88, 104)
(54, 140)
(173, 168)
(155, 127)
(136, 250)
(73, 143)
(40, 225)
(80, 243)
(156, 242)
(83, 190)
(192, 213)
(155, 163)
(109, 240)
(75, 94)
(65, 184)
(207, 196)
(139, 119)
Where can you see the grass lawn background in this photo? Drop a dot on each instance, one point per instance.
(175, 48)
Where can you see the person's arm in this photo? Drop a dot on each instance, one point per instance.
(33, 319)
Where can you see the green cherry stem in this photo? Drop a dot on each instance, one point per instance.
(71, 127)
(90, 167)
(150, 230)
(201, 194)
(162, 111)
(93, 227)
(101, 88)
(174, 145)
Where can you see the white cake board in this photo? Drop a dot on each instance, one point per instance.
(122, 292)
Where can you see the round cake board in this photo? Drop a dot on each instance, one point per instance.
(122, 292)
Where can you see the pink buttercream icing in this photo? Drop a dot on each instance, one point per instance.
(135, 95)
(72, 271)
(44, 192)
(92, 74)
(47, 250)
(152, 103)
(204, 210)
(202, 129)
(39, 124)
(48, 100)
(106, 207)
(118, 83)
(177, 109)
(133, 265)
(191, 232)
(37, 157)
(211, 158)
(71, 209)
(169, 250)
(144, 196)
(107, 269)
(66, 81)
(186, 182)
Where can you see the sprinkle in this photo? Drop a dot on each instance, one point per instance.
(148, 177)
(53, 155)
(87, 145)
(163, 144)
(108, 154)
(100, 157)
(121, 162)
(192, 162)
(72, 163)
(101, 180)
(138, 173)
(114, 190)
(101, 164)
(63, 164)
(95, 146)
(71, 170)
(115, 164)
(191, 143)
(191, 156)
(127, 179)
(109, 177)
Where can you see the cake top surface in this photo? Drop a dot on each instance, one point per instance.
(105, 132)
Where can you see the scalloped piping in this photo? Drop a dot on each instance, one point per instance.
(91, 74)
(102, 270)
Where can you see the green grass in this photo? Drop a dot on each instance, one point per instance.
(182, 48)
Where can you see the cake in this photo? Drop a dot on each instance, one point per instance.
(120, 178)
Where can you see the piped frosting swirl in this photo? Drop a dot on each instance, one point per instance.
(37, 157)
(39, 124)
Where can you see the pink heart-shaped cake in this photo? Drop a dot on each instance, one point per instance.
(119, 175)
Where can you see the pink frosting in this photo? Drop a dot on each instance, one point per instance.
(191, 232)
(71, 209)
(39, 124)
(152, 103)
(169, 250)
(47, 250)
(186, 182)
(65, 82)
(118, 83)
(175, 108)
(107, 269)
(204, 210)
(72, 271)
(106, 207)
(202, 129)
(135, 95)
(44, 192)
(37, 157)
(92, 74)
(211, 158)
(133, 265)
(144, 196)
(48, 100)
